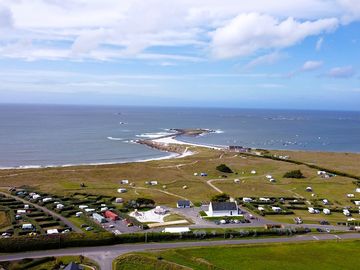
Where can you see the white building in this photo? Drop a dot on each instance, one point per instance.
(98, 218)
(121, 190)
(326, 211)
(276, 209)
(52, 231)
(357, 203)
(346, 212)
(311, 210)
(350, 195)
(83, 206)
(245, 199)
(325, 201)
(176, 230)
(264, 199)
(223, 209)
(47, 199)
(27, 226)
(59, 206)
(183, 204)
(124, 182)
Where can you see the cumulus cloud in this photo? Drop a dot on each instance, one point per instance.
(341, 72)
(228, 29)
(311, 65)
(248, 33)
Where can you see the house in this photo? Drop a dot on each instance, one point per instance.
(183, 204)
(52, 231)
(276, 209)
(20, 211)
(176, 230)
(268, 176)
(121, 190)
(222, 209)
(98, 218)
(357, 190)
(111, 215)
(326, 211)
(89, 210)
(27, 226)
(124, 182)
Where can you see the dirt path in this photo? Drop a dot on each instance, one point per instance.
(162, 191)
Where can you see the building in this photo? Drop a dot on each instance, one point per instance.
(27, 226)
(326, 211)
(246, 200)
(52, 231)
(160, 210)
(124, 182)
(276, 209)
(238, 148)
(183, 204)
(98, 218)
(111, 215)
(121, 190)
(119, 200)
(59, 206)
(222, 209)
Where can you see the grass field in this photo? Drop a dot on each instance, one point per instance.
(320, 255)
(4, 219)
(176, 173)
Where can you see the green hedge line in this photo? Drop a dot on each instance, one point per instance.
(45, 242)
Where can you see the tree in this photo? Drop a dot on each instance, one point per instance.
(294, 174)
(223, 197)
(223, 168)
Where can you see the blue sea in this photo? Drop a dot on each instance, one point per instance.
(54, 135)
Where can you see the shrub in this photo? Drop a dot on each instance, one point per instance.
(294, 174)
(223, 197)
(223, 168)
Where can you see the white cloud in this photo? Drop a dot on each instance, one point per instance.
(266, 59)
(319, 43)
(341, 72)
(86, 28)
(248, 33)
(311, 65)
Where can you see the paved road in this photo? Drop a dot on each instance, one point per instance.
(46, 210)
(104, 255)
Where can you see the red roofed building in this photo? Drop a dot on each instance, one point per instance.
(111, 215)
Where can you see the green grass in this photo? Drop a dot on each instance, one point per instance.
(4, 219)
(314, 255)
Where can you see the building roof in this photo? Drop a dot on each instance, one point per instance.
(183, 202)
(72, 266)
(223, 206)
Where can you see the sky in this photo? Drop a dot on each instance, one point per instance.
(299, 54)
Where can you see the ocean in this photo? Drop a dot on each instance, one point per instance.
(56, 135)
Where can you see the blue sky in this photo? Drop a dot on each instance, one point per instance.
(302, 55)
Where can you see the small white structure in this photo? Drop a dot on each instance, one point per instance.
(311, 210)
(59, 206)
(357, 190)
(103, 209)
(308, 189)
(325, 201)
(357, 203)
(48, 199)
(196, 174)
(326, 211)
(26, 206)
(246, 200)
(121, 190)
(276, 209)
(223, 209)
(83, 206)
(176, 230)
(78, 214)
(119, 200)
(350, 195)
(52, 231)
(20, 211)
(264, 199)
(236, 181)
(160, 210)
(346, 212)
(89, 210)
(153, 183)
(124, 182)
(185, 187)
(260, 208)
(253, 172)
(98, 218)
(27, 226)
(36, 196)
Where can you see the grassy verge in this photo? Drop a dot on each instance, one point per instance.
(314, 255)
